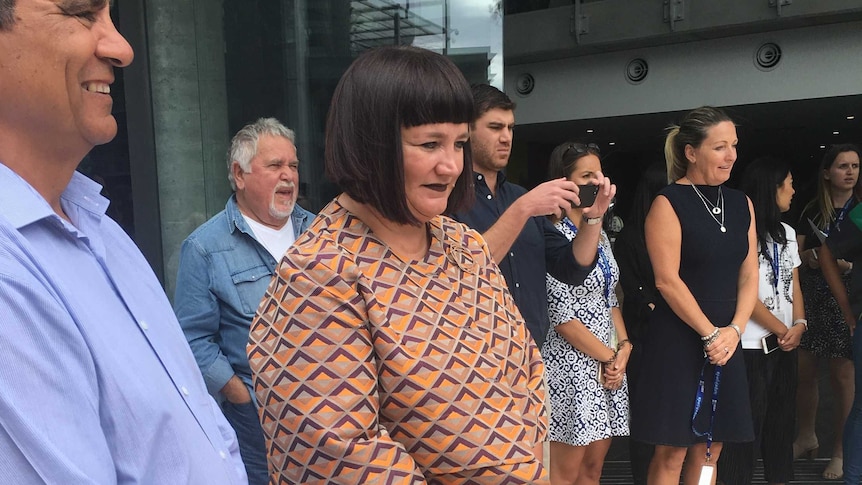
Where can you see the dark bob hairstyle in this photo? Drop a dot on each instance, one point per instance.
(384, 90)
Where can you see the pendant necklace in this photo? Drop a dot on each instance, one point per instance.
(713, 209)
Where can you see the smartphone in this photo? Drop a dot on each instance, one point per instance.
(601, 376)
(587, 193)
(769, 343)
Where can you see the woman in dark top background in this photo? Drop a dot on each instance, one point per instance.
(639, 292)
(838, 191)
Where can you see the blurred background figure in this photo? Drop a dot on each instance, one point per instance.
(387, 348)
(701, 240)
(779, 313)
(828, 336)
(586, 350)
(639, 293)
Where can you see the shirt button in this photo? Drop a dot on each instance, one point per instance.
(488, 196)
(144, 325)
(184, 390)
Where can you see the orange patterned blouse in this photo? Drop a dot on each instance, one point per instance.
(370, 369)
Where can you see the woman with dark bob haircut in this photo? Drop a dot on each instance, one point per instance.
(387, 348)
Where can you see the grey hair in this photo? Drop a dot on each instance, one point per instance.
(243, 146)
(7, 14)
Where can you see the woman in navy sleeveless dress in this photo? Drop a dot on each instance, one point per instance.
(701, 241)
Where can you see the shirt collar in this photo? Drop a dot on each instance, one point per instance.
(22, 205)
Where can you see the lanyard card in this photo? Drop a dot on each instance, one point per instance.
(706, 473)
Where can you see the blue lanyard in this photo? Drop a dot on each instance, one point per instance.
(837, 223)
(698, 401)
(604, 263)
(775, 272)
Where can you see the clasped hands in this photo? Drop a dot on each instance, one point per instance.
(721, 349)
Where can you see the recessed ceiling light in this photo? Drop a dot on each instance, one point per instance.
(612, 143)
(851, 117)
(589, 130)
(822, 147)
(834, 132)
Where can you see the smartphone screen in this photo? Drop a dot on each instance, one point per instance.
(587, 193)
(769, 343)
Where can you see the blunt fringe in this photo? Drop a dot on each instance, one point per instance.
(821, 204)
(691, 131)
(760, 182)
(487, 97)
(384, 90)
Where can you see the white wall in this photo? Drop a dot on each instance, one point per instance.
(816, 62)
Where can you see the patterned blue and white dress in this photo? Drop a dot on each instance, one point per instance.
(582, 411)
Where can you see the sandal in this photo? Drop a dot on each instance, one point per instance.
(835, 469)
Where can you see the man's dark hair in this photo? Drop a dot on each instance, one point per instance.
(384, 90)
(7, 14)
(487, 97)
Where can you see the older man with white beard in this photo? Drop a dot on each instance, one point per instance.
(226, 265)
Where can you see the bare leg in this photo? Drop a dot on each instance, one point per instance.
(696, 458)
(565, 463)
(807, 398)
(594, 460)
(841, 377)
(666, 465)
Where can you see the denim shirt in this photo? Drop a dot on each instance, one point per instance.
(223, 274)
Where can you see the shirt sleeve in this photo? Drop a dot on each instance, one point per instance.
(50, 428)
(315, 375)
(559, 259)
(198, 312)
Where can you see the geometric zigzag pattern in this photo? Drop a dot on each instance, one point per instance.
(369, 369)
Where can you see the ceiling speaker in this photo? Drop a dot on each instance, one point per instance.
(767, 56)
(637, 70)
(524, 84)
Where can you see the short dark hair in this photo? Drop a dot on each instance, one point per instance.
(760, 182)
(384, 90)
(691, 131)
(7, 14)
(487, 97)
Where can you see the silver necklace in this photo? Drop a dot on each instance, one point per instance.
(713, 209)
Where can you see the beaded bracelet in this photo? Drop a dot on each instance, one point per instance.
(624, 341)
(709, 339)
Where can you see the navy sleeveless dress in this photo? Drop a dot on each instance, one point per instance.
(663, 402)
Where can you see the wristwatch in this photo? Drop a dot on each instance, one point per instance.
(592, 220)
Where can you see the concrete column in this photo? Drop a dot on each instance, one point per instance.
(187, 72)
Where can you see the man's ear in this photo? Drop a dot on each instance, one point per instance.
(238, 175)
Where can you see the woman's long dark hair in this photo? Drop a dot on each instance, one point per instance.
(760, 182)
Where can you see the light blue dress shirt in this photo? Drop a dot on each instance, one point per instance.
(97, 383)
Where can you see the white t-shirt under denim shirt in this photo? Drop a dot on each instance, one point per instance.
(779, 302)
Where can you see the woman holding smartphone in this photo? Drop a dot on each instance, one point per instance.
(586, 350)
(771, 336)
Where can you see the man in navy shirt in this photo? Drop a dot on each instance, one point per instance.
(513, 220)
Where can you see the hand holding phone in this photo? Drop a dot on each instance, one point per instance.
(587, 193)
(769, 343)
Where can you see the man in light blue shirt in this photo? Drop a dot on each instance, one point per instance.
(97, 384)
(226, 265)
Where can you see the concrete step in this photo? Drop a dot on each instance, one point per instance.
(807, 472)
